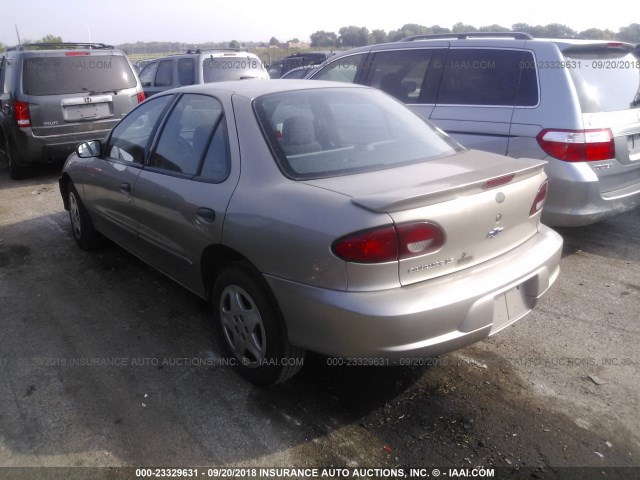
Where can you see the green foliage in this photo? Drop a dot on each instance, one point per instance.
(322, 39)
(353, 36)
(630, 34)
(50, 39)
(234, 44)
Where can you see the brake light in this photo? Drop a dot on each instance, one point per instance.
(141, 97)
(21, 112)
(541, 197)
(578, 145)
(76, 54)
(389, 244)
(496, 182)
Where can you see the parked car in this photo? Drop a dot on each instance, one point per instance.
(197, 67)
(299, 72)
(575, 103)
(318, 216)
(54, 96)
(279, 68)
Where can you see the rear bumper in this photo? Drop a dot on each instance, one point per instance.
(424, 319)
(32, 149)
(575, 204)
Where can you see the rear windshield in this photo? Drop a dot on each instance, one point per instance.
(220, 69)
(336, 131)
(607, 80)
(76, 74)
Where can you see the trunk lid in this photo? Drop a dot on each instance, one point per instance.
(480, 201)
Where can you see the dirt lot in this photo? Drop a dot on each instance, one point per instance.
(104, 362)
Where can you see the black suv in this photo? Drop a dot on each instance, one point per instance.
(54, 96)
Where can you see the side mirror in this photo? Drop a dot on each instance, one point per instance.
(89, 149)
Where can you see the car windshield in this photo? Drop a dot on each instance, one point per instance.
(335, 131)
(219, 69)
(606, 80)
(76, 74)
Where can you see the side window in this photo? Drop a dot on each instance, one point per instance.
(130, 137)
(528, 88)
(480, 77)
(217, 161)
(341, 70)
(164, 77)
(186, 71)
(148, 73)
(186, 134)
(403, 74)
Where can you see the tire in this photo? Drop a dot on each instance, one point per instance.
(16, 172)
(252, 329)
(84, 234)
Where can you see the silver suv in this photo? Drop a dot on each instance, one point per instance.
(55, 96)
(198, 67)
(574, 103)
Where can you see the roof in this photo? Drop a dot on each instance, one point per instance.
(258, 87)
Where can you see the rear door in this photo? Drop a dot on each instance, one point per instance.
(477, 96)
(77, 91)
(607, 81)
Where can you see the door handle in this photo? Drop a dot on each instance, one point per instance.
(206, 214)
(125, 188)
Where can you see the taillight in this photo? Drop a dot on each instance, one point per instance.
(76, 54)
(578, 145)
(388, 244)
(541, 197)
(371, 246)
(140, 97)
(21, 112)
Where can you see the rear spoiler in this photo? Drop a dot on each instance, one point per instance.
(429, 193)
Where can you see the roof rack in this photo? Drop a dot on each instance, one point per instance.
(212, 50)
(45, 46)
(463, 36)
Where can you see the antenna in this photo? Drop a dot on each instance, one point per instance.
(18, 34)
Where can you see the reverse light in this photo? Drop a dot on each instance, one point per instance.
(541, 197)
(578, 145)
(21, 113)
(389, 244)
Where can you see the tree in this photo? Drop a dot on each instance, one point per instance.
(462, 28)
(597, 34)
(408, 30)
(323, 39)
(274, 41)
(493, 28)
(50, 39)
(2, 47)
(234, 44)
(557, 30)
(353, 36)
(377, 36)
(630, 34)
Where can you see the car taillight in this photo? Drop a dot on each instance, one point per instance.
(388, 244)
(141, 97)
(76, 54)
(541, 197)
(578, 145)
(21, 112)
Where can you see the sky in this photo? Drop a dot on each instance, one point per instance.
(196, 21)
